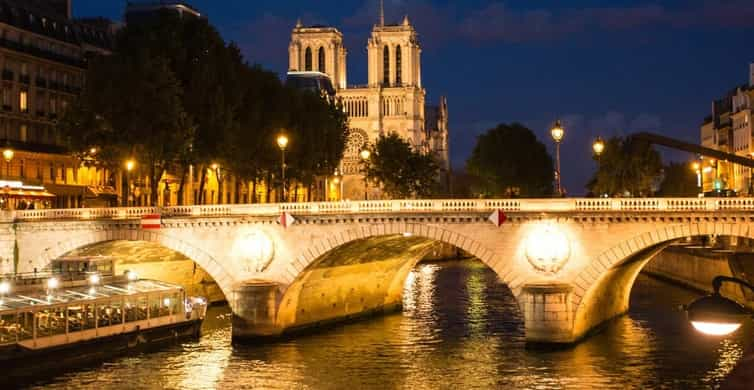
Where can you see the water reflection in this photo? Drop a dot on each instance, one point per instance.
(460, 328)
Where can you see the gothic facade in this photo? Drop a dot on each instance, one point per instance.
(392, 101)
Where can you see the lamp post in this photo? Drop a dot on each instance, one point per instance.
(557, 133)
(130, 164)
(218, 174)
(697, 167)
(283, 143)
(337, 181)
(716, 315)
(4, 290)
(8, 154)
(365, 155)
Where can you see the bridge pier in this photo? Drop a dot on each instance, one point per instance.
(548, 313)
(254, 305)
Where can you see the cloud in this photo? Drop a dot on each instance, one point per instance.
(496, 22)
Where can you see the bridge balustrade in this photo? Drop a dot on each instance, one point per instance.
(554, 205)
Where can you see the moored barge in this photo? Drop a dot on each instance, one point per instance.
(54, 320)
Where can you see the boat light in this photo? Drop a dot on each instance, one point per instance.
(53, 283)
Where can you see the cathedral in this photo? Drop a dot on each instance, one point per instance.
(392, 101)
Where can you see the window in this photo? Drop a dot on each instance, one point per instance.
(322, 67)
(398, 66)
(23, 133)
(308, 60)
(386, 66)
(23, 101)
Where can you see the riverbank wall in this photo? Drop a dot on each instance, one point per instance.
(696, 267)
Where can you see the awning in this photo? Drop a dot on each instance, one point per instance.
(101, 192)
(66, 189)
(15, 193)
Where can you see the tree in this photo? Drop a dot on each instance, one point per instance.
(112, 115)
(399, 170)
(509, 161)
(679, 180)
(627, 167)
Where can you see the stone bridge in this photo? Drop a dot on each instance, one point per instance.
(570, 263)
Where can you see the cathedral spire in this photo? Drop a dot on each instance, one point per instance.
(382, 13)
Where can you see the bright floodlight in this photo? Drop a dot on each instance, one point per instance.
(715, 329)
(365, 154)
(132, 276)
(8, 154)
(166, 302)
(716, 315)
(547, 248)
(53, 283)
(94, 279)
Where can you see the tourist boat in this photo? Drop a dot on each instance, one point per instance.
(72, 314)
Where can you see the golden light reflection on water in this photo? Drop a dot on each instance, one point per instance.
(460, 329)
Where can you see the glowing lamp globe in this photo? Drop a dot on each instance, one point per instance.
(365, 154)
(557, 132)
(598, 147)
(52, 283)
(4, 288)
(547, 249)
(8, 154)
(282, 141)
(716, 315)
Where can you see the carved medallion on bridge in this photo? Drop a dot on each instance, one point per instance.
(255, 251)
(547, 249)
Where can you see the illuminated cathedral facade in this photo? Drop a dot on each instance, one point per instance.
(392, 101)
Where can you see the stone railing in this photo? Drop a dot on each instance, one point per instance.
(550, 205)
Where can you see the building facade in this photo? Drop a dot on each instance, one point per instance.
(729, 129)
(392, 101)
(43, 56)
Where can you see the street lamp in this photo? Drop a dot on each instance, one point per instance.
(598, 147)
(218, 174)
(4, 290)
(8, 154)
(716, 315)
(697, 167)
(283, 143)
(130, 164)
(365, 155)
(557, 133)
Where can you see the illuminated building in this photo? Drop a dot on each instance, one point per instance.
(729, 128)
(43, 55)
(392, 101)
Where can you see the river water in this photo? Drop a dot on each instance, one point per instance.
(459, 329)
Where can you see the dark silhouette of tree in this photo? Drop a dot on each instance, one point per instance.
(509, 161)
(679, 180)
(627, 167)
(174, 94)
(399, 170)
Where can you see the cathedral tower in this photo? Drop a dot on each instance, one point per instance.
(319, 49)
(394, 55)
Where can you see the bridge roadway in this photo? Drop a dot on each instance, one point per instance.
(571, 263)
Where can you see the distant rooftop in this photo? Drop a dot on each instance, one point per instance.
(136, 10)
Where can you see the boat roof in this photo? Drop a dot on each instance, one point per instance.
(66, 295)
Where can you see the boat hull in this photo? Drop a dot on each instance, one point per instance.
(23, 365)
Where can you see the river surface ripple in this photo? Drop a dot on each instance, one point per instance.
(459, 329)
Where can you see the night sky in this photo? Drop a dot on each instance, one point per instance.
(605, 67)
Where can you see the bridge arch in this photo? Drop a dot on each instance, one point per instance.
(441, 235)
(602, 290)
(224, 280)
(324, 287)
